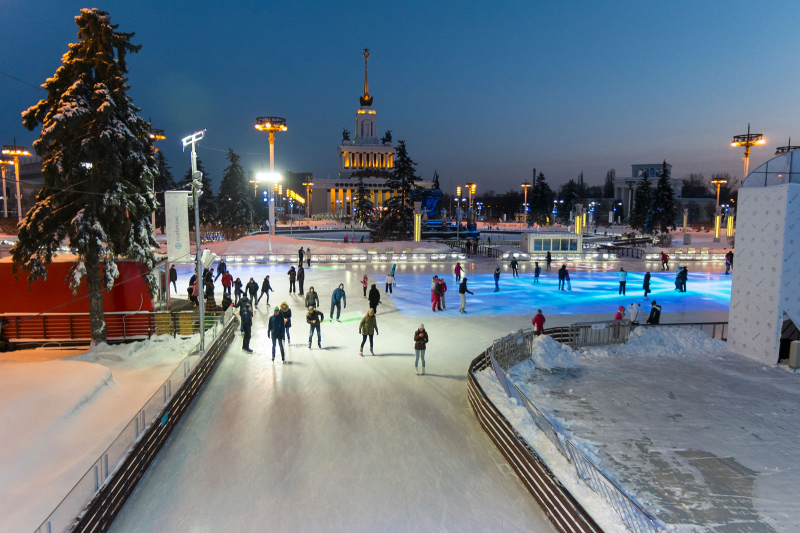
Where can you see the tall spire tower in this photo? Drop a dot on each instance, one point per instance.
(366, 99)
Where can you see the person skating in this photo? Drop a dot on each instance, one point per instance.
(462, 294)
(394, 266)
(620, 314)
(292, 273)
(237, 290)
(420, 343)
(664, 261)
(308, 257)
(536, 271)
(497, 279)
(364, 283)
(444, 292)
(434, 281)
(538, 322)
(548, 259)
(301, 277)
(389, 281)
(276, 329)
(226, 302)
(437, 296)
(683, 276)
(514, 268)
(633, 311)
(728, 262)
(300, 254)
(246, 318)
(221, 269)
(655, 313)
(314, 318)
(173, 278)
(374, 297)
(368, 327)
(266, 288)
(458, 271)
(337, 299)
(251, 289)
(312, 298)
(227, 281)
(623, 278)
(566, 279)
(562, 277)
(646, 284)
(195, 296)
(287, 320)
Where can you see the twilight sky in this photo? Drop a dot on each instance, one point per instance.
(481, 91)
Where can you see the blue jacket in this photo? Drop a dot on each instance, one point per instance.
(276, 327)
(339, 296)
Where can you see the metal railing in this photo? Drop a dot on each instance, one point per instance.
(559, 257)
(543, 424)
(379, 257)
(715, 330)
(121, 326)
(600, 333)
(65, 513)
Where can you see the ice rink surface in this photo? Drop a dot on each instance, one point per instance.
(330, 441)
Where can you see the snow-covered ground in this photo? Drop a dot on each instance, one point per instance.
(61, 408)
(703, 438)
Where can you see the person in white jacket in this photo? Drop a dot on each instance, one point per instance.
(634, 310)
(623, 277)
(389, 283)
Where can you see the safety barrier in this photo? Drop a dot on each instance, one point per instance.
(509, 351)
(715, 330)
(99, 495)
(379, 257)
(602, 333)
(561, 257)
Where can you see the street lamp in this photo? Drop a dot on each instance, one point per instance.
(274, 178)
(3, 163)
(155, 135)
(747, 140)
(718, 214)
(784, 149)
(271, 125)
(525, 186)
(308, 185)
(197, 190)
(16, 151)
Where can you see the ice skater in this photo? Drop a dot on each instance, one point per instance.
(664, 261)
(458, 271)
(246, 318)
(314, 318)
(368, 327)
(434, 281)
(443, 284)
(437, 296)
(300, 254)
(623, 278)
(266, 288)
(566, 278)
(301, 277)
(536, 271)
(728, 262)
(655, 313)
(287, 320)
(683, 276)
(374, 297)
(620, 314)
(462, 294)
(227, 281)
(538, 322)
(337, 299)
(633, 311)
(646, 284)
(292, 273)
(562, 277)
(276, 329)
(173, 278)
(221, 269)
(420, 342)
(389, 283)
(364, 283)
(548, 259)
(514, 267)
(497, 279)
(308, 257)
(312, 298)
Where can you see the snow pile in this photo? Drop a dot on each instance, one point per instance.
(664, 342)
(549, 354)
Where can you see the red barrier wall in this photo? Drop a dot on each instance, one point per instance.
(54, 295)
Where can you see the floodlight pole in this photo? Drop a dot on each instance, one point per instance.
(197, 190)
(3, 164)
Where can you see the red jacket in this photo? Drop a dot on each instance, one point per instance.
(618, 316)
(227, 279)
(538, 322)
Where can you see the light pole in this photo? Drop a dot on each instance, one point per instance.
(718, 214)
(272, 178)
(525, 186)
(308, 185)
(197, 190)
(155, 135)
(271, 125)
(747, 140)
(3, 163)
(16, 151)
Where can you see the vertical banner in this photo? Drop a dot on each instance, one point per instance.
(176, 208)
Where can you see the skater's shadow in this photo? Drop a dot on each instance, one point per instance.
(292, 363)
(394, 355)
(457, 378)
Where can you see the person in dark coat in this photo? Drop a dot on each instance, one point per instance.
(226, 302)
(266, 288)
(562, 277)
(548, 258)
(374, 297)
(221, 269)
(314, 318)
(646, 285)
(420, 343)
(367, 327)
(173, 277)
(462, 294)
(276, 329)
(300, 254)
(683, 276)
(497, 279)
(312, 298)
(655, 313)
(337, 299)
(301, 277)
(536, 271)
(514, 267)
(308, 257)
(292, 277)
(252, 289)
(237, 290)
(246, 317)
(287, 319)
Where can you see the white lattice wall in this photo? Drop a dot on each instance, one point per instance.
(766, 275)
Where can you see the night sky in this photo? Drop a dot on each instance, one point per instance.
(481, 91)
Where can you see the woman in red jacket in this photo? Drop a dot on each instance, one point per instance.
(538, 322)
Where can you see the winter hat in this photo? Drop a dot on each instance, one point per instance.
(277, 310)
(422, 326)
(621, 309)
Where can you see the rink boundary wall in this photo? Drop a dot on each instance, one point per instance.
(101, 511)
(566, 514)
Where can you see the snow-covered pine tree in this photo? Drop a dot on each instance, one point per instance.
(364, 206)
(662, 207)
(208, 206)
(164, 181)
(398, 218)
(97, 164)
(236, 209)
(642, 200)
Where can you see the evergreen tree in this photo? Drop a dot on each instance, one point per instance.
(98, 168)
(642, 200)
(208, 207)
(364, 206)
(164, 181)
(236, 208)
(540, 200)
(608, 186)
(568, 193)
(662, 207)
(398, 218)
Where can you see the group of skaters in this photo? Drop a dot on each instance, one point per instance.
(439, 290)
(634, 312)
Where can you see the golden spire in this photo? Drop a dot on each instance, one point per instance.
(366, 99)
